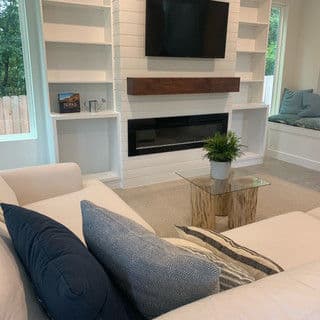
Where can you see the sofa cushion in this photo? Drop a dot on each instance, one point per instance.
(290, 239)
(37, 183)
(66, 209)
(314, 213)
(17, 298)
(289, 295)
(311, 104)
(309, 123)
(231, 275)
(68, 280)
(257, 265)
(292, 101)
(156, 275)
(7, 195)
(289, 119)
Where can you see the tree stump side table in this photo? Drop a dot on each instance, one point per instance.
(235, 198)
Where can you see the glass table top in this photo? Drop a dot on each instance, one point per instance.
(201, 178)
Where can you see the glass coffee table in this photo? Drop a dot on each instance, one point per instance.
(235, 198)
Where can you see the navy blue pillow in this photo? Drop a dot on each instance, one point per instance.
(69, 281)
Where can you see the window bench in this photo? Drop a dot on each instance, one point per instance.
(294, 144)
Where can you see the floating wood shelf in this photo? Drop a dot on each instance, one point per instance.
(160, 86)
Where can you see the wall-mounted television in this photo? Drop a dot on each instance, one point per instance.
(186, 28)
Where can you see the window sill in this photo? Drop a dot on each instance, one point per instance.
(18, 137)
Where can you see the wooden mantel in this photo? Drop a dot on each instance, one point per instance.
(160, 86)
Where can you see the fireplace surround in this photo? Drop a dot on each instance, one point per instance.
(157, 135)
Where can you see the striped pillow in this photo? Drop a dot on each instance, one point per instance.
(231, 275)
(257, 265)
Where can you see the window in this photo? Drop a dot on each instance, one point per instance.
(274, 62)
(15, 117)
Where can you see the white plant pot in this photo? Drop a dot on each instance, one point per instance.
(220, 170)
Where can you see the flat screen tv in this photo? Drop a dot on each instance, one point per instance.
(186, 28)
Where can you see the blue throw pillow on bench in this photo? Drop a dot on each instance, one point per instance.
(292, 101)
(157, 275)
(69, 281)
(311, 104)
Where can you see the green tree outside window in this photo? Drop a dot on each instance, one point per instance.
(12, 78)
(273, 41)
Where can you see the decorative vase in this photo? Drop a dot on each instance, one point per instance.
(220, 170)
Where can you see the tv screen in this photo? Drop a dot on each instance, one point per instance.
(186, 28)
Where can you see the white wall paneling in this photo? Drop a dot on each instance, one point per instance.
(131, 62)
(93, 46)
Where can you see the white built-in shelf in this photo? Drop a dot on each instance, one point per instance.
(253, 23)
(108, 176)
(77, 3)
(251, 51)
(72, 41)
(248, 81)
(85, 115)
(84, 81)
(249, 106)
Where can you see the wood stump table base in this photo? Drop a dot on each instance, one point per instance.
(239, 206)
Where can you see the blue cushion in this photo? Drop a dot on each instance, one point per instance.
(156, 275)
(292, 101)
(311, 103)
(309, 123)
(68, 280)
(289, 119)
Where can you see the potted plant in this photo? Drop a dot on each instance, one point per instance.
(221, 150)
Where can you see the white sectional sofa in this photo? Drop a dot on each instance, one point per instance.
(292, 240)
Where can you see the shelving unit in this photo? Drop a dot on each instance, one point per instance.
(79, 49)
(98, 4)
(249, 114)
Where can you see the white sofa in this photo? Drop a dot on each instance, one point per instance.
(292, 240)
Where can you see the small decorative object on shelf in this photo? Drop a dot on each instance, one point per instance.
(69, 102)
(95, 105)
(221, 150)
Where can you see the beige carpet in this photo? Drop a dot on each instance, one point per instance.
(166, 204)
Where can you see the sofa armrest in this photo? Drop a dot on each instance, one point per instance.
(39, 183)
(293, 294)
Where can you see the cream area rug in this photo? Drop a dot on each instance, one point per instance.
(167, 204)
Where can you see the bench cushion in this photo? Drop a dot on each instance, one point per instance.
(309, 123)
(289, 119)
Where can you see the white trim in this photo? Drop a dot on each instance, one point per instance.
(24, 32)
(300, 161)
(304, 137)
(278, 76)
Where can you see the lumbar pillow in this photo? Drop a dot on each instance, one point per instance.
(68, 280)
(256, 264)
(311, 103)
(231, 275)
(7, 195)
(292, 102)
(157, 276)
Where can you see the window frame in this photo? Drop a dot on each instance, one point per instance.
(29, 79)
(279, 71)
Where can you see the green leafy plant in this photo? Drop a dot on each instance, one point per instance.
(223, 148)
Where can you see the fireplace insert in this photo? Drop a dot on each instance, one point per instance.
(158, 135)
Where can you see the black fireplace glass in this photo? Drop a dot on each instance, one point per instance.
(157, 135)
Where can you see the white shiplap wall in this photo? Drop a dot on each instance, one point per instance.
(130, 61)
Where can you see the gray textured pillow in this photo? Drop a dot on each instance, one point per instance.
(156, 275)
(311, 103)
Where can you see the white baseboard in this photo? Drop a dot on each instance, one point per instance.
(300, 161)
